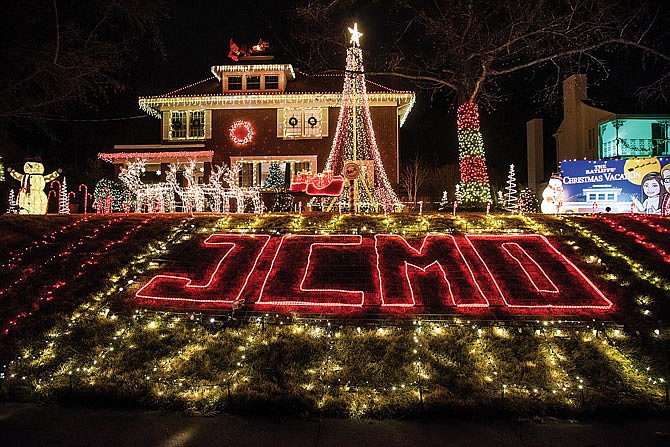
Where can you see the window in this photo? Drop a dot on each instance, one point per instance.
(271, 82)
(246, 174)
(178, 125)
(298, 122)
(312, 126)
(591, 144)
(303, 166)
(196, 126)
(293, 123)
(610, 196)
(187, 124)
(591, 197)
(253, 82)
(601, 196)
(234, 82)
(254, 170)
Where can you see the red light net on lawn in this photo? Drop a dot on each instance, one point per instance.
(348, 274)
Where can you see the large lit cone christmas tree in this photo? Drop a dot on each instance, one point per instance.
(354, 147)
(475, 190)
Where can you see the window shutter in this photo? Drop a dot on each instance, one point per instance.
(166, 125)
(280, 123)
(208, 124)
(324, 121)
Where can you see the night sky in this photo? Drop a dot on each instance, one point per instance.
(196, 37)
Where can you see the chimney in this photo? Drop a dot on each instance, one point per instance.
(574, 91)
(535, 152)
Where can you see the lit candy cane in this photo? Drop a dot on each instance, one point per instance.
(51, 185)
(455, 206)
(488, 208)
(85, 192)
(70, 196)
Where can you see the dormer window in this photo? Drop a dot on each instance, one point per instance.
(253, 82)
(271, 82)
(234, 82)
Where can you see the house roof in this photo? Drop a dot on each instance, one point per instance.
(303, 83)
(328, 87)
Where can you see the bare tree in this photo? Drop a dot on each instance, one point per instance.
(468, 47)
(413, 175)
(57, 53)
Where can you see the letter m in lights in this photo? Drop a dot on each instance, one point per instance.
(431, 272)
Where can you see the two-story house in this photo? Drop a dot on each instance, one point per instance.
(256, 111)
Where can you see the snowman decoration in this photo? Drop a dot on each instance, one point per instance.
(552, 196)
(32, 199)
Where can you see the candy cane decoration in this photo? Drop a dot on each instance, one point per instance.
(85, 192)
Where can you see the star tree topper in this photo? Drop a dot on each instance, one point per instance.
(355, 35)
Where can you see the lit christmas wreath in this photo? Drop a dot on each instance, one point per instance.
(241, 132)
(312, 121)
(293, 121)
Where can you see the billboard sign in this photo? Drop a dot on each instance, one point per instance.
(637, 185)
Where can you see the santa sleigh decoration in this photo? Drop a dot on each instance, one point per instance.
(325, 184)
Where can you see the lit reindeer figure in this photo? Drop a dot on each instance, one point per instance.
(231, 177)
(192, 196)
(214, 191)
(154, 197)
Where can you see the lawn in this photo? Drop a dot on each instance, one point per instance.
(73, 330)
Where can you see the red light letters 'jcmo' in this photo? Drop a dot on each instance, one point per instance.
(522, 274)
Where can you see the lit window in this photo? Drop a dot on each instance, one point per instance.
(196, 125)
(253, 83)
(303, 166)
(187, 124)
(271, 82)
(246, 174)
(178, 124)
(234, 82)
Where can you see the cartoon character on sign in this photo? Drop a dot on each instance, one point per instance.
(552, 196)
(665, 178)
(653, 193)
(32, 199)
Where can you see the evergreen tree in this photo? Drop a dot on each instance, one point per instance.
(528, 202)
(275, 179)
(511, 200)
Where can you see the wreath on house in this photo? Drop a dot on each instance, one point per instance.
(241, 132)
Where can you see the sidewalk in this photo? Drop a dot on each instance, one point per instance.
(32, 425)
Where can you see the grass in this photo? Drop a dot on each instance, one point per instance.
(90, 343)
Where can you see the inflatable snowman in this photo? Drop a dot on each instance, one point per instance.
(32, 199)
(552, 196)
